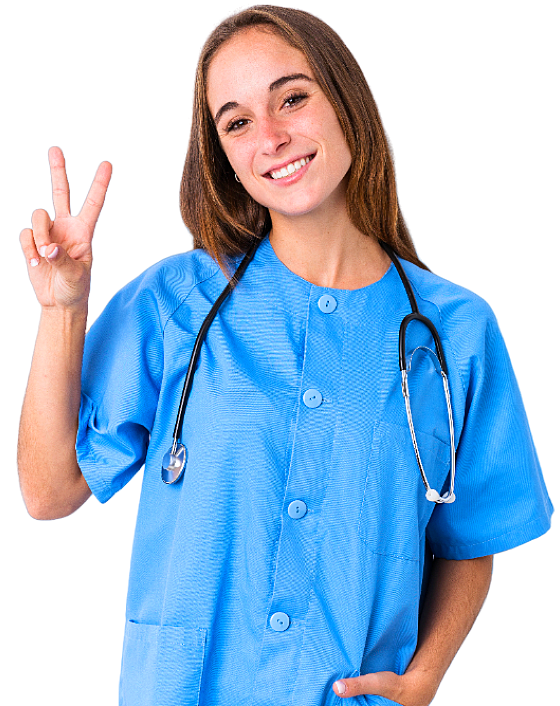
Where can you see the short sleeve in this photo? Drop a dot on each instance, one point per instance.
(501, 498)
(121, 380)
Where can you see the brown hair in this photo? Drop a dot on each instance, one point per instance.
(222, 217)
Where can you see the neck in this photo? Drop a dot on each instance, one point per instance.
(326, 249)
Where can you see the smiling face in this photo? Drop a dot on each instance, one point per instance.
(276, 126)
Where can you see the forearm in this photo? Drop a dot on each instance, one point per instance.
(456, 593)
(50, 478)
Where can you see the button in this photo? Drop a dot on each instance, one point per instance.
(312, 398)
(327, 303)
(279, 622)
(297, 509)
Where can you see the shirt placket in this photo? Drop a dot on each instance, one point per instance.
(306, 483)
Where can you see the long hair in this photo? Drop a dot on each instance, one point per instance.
(222, 217)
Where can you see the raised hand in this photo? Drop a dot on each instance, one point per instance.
(58, 253)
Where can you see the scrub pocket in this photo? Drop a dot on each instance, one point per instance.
(161, 665)
(395, 511)
(362, 700)
(331, 698)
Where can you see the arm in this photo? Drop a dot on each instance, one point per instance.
(456, 593)
(58, 255)
(51, 482)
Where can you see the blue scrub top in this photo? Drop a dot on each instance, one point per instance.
(296, 549)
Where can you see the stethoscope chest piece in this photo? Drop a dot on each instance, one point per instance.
(173, 464)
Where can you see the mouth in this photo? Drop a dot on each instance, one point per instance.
(288, 169)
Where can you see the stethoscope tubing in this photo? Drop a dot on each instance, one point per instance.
(201, 335)
(415, 315)
(174, 461)
(402, 340)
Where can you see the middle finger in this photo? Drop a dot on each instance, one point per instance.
(96, 195)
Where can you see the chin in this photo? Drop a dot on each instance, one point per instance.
(294, 207)
(303, 201)
(297, 212)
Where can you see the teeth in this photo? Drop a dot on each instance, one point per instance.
(290, 168)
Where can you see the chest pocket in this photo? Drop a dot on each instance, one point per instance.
(162, 665)
(395, 511)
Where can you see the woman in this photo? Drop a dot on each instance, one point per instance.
(292, 547)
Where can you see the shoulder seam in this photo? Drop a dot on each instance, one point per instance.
(468, 293)
(186, 296)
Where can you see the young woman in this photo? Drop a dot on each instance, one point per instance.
(304, 533)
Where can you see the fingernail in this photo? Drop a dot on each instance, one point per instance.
(53, 254)
(34, 262)
(340, 686)
(42, 250)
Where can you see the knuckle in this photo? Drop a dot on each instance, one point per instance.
(93, 202)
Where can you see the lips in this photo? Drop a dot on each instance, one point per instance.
(296, 165)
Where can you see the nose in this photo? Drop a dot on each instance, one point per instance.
(273, 134)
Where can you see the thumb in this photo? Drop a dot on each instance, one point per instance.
(385, 684)
(53, 254)
(57, 255)
(71, 279)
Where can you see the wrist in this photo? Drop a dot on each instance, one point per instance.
(77, 312)
(423, 682)
(68, 322)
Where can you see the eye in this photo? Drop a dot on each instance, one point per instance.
(294, 99)
(235, 124)
(290, 101)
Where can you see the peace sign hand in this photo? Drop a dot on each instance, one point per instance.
(58, 252)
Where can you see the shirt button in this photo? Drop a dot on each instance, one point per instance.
(297, 509)
(327, 303)
(312, 398)
(279, 622)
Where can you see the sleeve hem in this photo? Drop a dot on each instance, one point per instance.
(512, 539)
(97, 486)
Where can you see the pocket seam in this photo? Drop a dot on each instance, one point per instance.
(161, 639)
(439, 451)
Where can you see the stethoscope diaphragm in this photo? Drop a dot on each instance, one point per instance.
(173, 464)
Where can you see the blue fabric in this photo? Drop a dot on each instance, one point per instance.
(216, 555)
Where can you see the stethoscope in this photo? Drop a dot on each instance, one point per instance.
(174, 461)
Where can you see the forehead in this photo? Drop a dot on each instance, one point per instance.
(249, 62)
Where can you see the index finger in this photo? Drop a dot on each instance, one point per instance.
(96, 195)
(60, 188)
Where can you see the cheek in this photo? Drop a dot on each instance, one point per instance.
(234, 156)
(238, 155)
(232, 160)
(338, 141)
(324, 128)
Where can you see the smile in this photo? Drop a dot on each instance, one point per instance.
(291, 168)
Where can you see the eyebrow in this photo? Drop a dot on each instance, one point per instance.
(231, 105)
